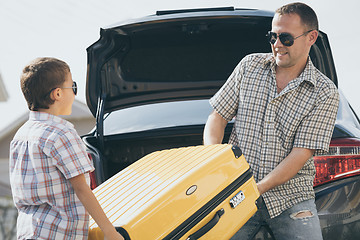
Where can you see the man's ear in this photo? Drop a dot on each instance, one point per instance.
(313, 35)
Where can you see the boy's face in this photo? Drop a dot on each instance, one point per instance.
(68, 96)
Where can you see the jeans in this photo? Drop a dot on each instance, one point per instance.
(287, 225)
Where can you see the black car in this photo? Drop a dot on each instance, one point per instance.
(149, 81)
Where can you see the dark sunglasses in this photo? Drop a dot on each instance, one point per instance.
(285, 38)
(74, 88)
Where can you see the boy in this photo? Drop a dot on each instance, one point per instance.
(48, 162)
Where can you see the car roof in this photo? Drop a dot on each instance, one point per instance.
(193, 13)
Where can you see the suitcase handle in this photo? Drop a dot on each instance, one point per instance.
(207, 227)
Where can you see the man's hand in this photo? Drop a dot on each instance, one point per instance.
(287, 169)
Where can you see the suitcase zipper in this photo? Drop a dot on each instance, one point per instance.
(194, 219)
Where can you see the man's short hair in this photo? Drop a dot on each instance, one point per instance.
(39, 78)
(306, 14)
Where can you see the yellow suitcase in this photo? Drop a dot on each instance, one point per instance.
(201, 192)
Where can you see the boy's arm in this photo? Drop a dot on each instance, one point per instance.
(88, 199)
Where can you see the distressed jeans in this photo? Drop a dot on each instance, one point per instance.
(287, 225)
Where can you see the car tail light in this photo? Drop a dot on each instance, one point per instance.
(93, 183)
(342, 160)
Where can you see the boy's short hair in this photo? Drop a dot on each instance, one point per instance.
(306, 14)
(39, 77)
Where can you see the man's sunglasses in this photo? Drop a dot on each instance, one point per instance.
(285, 38)
(74, 88)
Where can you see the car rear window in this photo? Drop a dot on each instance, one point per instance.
(155, 116)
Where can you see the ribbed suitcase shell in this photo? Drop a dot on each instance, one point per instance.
(171, 194)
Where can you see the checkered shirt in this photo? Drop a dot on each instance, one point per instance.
(45, 152)
(268, 125)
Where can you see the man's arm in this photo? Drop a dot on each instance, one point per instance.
(287, 169)
(88, 199)
(214, 129)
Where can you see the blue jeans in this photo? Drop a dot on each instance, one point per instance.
(287, 225)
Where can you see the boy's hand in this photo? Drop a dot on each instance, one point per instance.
(88, 199)
(114, 235)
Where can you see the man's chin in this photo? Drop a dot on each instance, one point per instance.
(282, 63)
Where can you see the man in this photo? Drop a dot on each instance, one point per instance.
(284, 110)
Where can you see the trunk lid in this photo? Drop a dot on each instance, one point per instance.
(177, 55)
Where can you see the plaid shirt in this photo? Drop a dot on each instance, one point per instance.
(45, 152)
(268, 125)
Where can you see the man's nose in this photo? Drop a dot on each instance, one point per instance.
(278, 43)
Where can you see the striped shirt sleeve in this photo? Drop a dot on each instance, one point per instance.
(70, 155)
(225, 101)
(316, 129)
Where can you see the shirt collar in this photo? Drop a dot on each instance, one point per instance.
(306, 75)
(43, 116)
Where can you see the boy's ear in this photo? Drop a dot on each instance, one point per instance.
(56, 94)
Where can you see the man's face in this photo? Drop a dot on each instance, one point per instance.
(297, 54)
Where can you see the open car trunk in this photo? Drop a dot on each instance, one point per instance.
(122, 150)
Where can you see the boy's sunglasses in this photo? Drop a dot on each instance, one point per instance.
(285, 38)
(74, 88)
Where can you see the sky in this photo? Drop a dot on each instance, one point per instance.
(64, 29)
